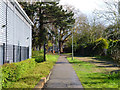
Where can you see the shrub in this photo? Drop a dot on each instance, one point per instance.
(91, 49)
(114, 50)
(27, 73)
(39, 59)
(13, 72)
(80, 50)
(35, 53)
(100, 45)
(96, 48)
(17, 72)
(38, 55)
(67, 49)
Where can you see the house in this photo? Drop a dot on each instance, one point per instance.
(15, 32)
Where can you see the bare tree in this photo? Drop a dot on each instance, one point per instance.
(111, 15)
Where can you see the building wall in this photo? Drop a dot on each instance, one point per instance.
(2, 21)
(18, 28)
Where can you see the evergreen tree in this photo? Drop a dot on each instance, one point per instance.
(43, 13)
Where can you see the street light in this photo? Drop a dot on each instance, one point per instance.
(58, 43)
(72, 40)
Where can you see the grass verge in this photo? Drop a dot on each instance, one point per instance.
(30, 78)
(92, 76)
(69, 54)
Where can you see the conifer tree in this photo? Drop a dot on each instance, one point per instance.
(43, 13)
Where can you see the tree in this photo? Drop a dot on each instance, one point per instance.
(65, 31)
(85, 31)
(113, 32)
(41, 13)
(60, 25)
(111, 15)
(48, 13)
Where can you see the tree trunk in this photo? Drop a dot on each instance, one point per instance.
(53, 49)
(61, 47)
(40, 46)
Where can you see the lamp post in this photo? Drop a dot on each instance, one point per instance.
(58, 43)
(72, 41)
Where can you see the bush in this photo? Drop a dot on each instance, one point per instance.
(39, 59)
(35, 53)
(27, 73)
(114, 50)
(100, 45)
(91, 49)
(38, 55)
(67, 49)
(80, 50)
(13, 72)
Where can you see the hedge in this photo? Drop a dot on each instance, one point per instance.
(94, 48)
(114, 50)
(14, 71)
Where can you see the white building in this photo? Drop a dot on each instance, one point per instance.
(15, 32)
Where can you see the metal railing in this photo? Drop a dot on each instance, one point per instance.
(13, 53)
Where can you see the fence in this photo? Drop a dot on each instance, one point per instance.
(1, 54)
(13, 53)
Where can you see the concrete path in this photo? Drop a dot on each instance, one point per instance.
(63, 75)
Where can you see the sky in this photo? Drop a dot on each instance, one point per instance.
(85, 6)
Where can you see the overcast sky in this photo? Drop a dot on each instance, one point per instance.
(85, 6)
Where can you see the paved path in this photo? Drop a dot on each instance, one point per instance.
(63, 75)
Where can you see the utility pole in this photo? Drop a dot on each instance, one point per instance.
(72, 44)
(72, 41)
(58, 43)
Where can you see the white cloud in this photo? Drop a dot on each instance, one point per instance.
(85, 6)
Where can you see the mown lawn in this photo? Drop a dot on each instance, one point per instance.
(92, 76)
(32, 77)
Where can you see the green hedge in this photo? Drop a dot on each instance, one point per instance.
(114, 50)
(38, 55)
(94, 48)
(13, 72)
(102, 43)
(27, 73)
(99, 46)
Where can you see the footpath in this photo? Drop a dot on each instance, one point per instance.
(63, 76)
